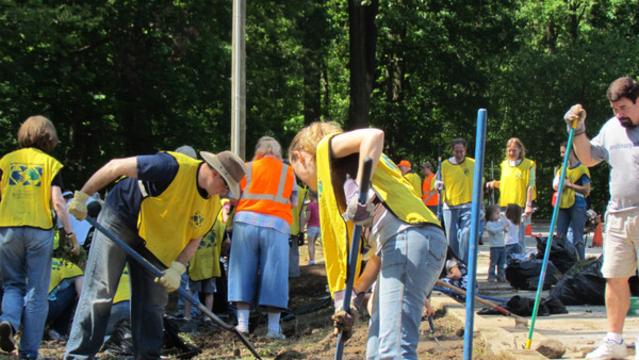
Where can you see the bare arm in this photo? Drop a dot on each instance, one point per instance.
(366, 280)
(366, 142)
(60, 208)
(111, 171)
(582, 189)
(583, 150)
(188, 251)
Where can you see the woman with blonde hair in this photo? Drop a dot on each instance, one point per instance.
(408, 237)
(30, 187)
(517, 182)
(259, 260)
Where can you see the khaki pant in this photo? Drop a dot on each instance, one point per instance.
(621, 244)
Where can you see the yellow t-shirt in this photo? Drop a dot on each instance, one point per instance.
(390, 187)
(514, 182)
(61, 270)
(572, 174)
(416, 181)
(123, 292)
(26, 188)
(169, 221)
(205, 264)
(458, 181)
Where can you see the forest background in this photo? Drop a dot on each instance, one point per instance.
(121, 78)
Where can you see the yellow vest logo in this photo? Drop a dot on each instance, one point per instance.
(25, 175)
(197, 219)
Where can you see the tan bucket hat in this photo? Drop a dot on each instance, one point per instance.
(229, 165)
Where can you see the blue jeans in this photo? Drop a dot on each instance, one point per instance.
(25, 266)
(575, 218)
(101, 277)
(497, 262)
(457, 223)
(62, 303)
(411, 263)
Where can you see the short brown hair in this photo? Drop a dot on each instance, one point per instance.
(38, 132)
(623, 87)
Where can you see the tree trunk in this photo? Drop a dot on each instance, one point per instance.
(363, 34)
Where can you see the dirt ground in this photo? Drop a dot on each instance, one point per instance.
(308, 331)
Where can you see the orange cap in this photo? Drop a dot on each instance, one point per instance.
(405, 163)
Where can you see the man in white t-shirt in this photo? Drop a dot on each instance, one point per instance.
(617, 144)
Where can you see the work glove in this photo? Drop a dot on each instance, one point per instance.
(77, 206)
(359, 214)
(439, 185)
(576, 116)
(170, 278)
(343, 322)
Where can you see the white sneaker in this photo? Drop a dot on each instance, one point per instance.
(275, 335)
(241, 329)
(608, 350)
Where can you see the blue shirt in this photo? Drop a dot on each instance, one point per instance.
(155, 172)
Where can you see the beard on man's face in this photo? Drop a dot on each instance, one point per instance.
(626, 122)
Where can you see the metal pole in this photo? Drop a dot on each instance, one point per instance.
(551, 231)
(238, 80)
(480, 144)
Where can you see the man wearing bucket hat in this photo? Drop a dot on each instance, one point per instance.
(163, 206)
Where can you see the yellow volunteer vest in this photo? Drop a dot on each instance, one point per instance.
(513, 183)
(123, 292)
(458, 181)
(416, 181)
(572, 174)
(298, 210)
(391, 188)
(62, 270)
(26, 188)
(168, 222)
(205, 264)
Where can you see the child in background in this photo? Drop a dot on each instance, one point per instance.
(204, 267)
(496, 227)
(312, 228)
(513, 215)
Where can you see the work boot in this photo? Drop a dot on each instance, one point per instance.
(6, 337)
(609, 349)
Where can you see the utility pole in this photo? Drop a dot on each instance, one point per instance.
(238, 80)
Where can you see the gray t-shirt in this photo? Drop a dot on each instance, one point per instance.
(619, 147)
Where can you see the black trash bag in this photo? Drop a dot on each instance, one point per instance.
(554, 306)
(524, 306)
(584, 284)
(524, 275)
(562, 255)
(120, 343)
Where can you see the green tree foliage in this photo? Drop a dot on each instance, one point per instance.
(125, 77)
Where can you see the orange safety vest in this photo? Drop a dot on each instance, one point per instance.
(429, 192)
(267, 188)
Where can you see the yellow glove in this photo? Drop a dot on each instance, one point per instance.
(77, 206)
(170, 279)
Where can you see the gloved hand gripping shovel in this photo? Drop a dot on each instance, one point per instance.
(94, 208)
(352, 255)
